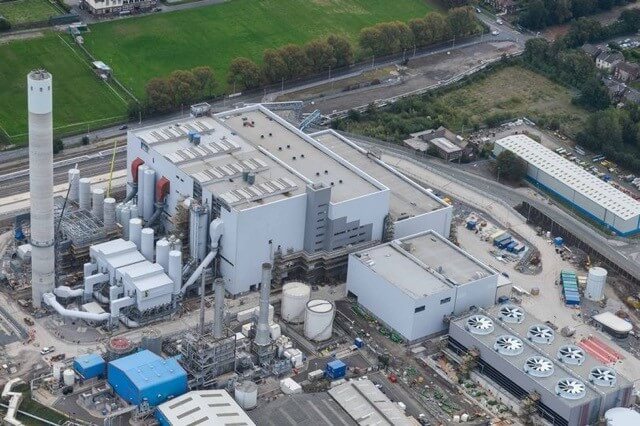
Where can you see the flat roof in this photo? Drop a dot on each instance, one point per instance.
(118, 253)
(146, 369)
(423, 264)
(317, 409)
(407, 198)
(572, 175)
(145, 275)
(548, 350)
(614, 322)
(205, 407)
(366, 404)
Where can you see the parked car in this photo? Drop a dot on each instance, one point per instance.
(47, 350)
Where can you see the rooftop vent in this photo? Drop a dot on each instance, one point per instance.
(571, 354)
(540, 333)
(571, 388)
(512, 314)
(602, 376)
(509, 345)
(480, 324)
(539, 366)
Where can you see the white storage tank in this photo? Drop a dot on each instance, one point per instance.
(295, 296)
(74, 184)
(68, 377)
(318, 320)
(57, 370)
(84, 195)
(596, 281)
(109, 209)
(246, 395)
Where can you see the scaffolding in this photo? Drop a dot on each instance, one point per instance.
(205, 358)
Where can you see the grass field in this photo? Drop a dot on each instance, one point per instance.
(153, 46)
(23, 11)
(500, 95)
(78, 96)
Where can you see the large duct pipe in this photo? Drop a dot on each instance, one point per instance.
(97, 203)
(198, 227)
(40, 106)
(109, 213)
(218, 313)
(215, 232)
(162, 254)
(50, 299)
(262, 329)
(85, 194)
(146, 243)
(74, 184)
(140, 198)
(175, 270)
(66, 292)
(149, 194)
(135, 231)
(125, 216)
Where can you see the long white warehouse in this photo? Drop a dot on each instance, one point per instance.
(300, 201)
(415, 283)
(591, 196)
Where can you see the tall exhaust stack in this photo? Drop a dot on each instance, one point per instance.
(40, 104)
(218, 313)
(262, 329)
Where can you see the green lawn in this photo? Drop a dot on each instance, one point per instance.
(23, 11)
(78, 96)
(143, 48)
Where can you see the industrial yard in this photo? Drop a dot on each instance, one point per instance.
(294, 277)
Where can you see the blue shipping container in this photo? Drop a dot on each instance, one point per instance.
(89, 366)
(336, 369)
(471, 225)
(358, 342)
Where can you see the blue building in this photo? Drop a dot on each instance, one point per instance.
(146, 376)
(89, 366)
(336, 369)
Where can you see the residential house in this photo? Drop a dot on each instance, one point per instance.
(608, 60)
(626, 71)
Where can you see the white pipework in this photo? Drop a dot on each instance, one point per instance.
(175, 270)
(109, 213)
(97, 203)
(85, 194)
(116, 305)
(215, 232)
(146, 243)
(39, 100)
(140, 197)
(162, 254)
(149, 193)
(15, 398)
(50, 299)
(135, 231)
(65, 291)
(74, 184)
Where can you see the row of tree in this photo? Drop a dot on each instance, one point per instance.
(393, 37)
(539, 14)
(181, 87)
(585, 30)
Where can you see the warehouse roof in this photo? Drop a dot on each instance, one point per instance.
(572, 175)
(407, 198)
(547, 348)
(317, 409)
(367, 405)
(423, 264)
(89, 360)
(205, 407)
(146, 369)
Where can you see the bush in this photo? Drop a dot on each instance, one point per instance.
(58, 146)
(510, 166)
(85, 140)
(5, 25)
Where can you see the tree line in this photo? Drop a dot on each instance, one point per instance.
(539, 14)
(180, 88)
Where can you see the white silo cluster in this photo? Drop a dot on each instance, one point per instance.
(318, 320)
(91, 199)
(596, 281)
(295, 296)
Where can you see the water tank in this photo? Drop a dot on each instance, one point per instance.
(162, 254)
(97, 203)
(68, 377)
(109, 209)
(146, 243)
(295, 296)
(246, 395)
(74, 184)
(85, 194)
(596, 281)
(621, 416)
(57, 370)
(318, 320)
(118, 347)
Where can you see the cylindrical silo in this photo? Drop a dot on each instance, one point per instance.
(135, 231)
(198, 230)
(134, 210)
(68, 377)
(246, 394)
(175, 270)
(74, 184)
(318, 320)
(149, 193)
(162, 254)
(109, 210)
(97, 203)
(140, 197)
(126, 217)
(596, 280)
(146, 243)
(84, 197)
(295, 296)
(40, 107)
(57, 370)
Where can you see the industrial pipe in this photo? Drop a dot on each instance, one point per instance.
(218, 313)
(50, 299)
(14, 402)
(133, 193)
(65, 291)
(262, 330)
(215, 232)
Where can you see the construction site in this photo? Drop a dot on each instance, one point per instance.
(255, 260)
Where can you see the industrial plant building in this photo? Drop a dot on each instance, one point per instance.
(585, 192)
(546, 370)
(414, 284)
(301, 201)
